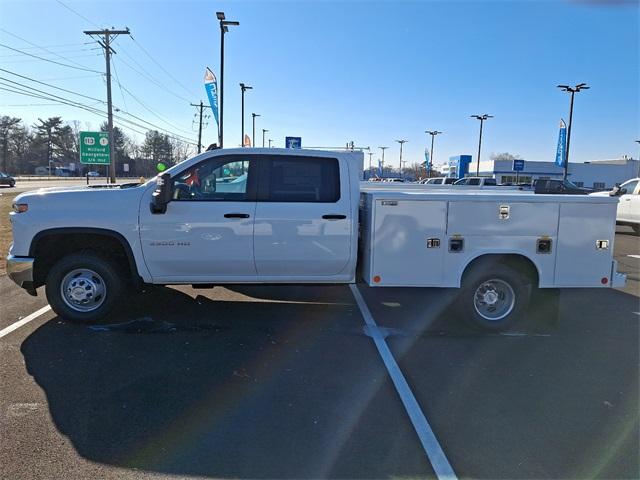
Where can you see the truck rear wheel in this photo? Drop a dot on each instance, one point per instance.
(83, 287)
(494, 297)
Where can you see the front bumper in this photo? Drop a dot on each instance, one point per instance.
(20, 270)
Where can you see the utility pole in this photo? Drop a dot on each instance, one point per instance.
(482, 118)
(383, 149)
(224, 28)
(253, 135)
(433, 133)
(572, 91)
(201, 108)
(401, 142)
(107, 37)
(263, 132)
(243, 88)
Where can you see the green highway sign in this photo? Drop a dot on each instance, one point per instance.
(94, 148)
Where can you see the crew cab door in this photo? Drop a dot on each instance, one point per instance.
(303, 222)
(206, 233)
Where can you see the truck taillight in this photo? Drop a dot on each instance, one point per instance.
(20, 207)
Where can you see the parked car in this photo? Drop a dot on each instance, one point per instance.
(93, 174)
(564, 187)
(628, 212)
(439, 181)
(476, 182)
(6, 179)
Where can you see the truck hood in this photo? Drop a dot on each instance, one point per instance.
(54, 193)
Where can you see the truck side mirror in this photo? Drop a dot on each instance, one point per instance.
(162, 194)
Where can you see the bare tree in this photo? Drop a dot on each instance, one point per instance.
(504, 156)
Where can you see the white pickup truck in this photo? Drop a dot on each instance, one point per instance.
(299, 216)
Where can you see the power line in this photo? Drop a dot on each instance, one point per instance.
(119, 86)
(47, 60)
(29, 90)
(38, 46)
(150, 110)
(78, 14)
(160, 66)
(49, 85)
(148, 77)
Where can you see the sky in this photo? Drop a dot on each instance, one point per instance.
(334, 72)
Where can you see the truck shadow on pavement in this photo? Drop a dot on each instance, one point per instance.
(226, 388)
(293, 388)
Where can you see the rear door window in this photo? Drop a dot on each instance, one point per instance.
(299, 179)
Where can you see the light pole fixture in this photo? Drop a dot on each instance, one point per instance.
(482, 118)
(253, 132)
(243, 88)
(264, 130)
(433, 133)
(401, 142)
(224, 28)
(572, 91)
(382, 161)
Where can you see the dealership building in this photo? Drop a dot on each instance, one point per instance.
(598, 174)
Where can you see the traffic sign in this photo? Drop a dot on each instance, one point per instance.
(293, 142)
(94, 148)
(518, 165)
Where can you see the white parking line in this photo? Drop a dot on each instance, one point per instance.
(634, 256)
(24, 321)
(435, 454)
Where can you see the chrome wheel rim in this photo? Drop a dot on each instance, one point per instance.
(494, 299)
(83, 290)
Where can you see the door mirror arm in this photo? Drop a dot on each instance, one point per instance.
(162, 194)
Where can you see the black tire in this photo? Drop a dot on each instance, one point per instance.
(489, 279)
(105, 279)
(12, 184)
(636, 229)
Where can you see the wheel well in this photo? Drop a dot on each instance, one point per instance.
(50, 246)
(518, 262)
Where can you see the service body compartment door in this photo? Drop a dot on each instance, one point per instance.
(303, 224)
(502, 218)
(408, 243)
(582, 260)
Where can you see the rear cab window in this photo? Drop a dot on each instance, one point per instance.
(299, 179)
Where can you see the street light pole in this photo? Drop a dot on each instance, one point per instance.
(401, 142)
(572, 91)
(270, 140)
(243, 88)
(370, 155)
(638, 142)
(382, 162)
(253, 134)
(433, 133)
(224, 28)
(482, 118)
(264, 130)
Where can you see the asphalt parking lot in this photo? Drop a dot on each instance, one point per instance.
(287, 382)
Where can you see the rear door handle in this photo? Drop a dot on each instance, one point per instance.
(236, 215)
(334, 217)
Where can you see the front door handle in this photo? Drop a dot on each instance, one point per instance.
(334, 217)
(236, 215)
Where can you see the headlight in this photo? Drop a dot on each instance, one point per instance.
(20, 207)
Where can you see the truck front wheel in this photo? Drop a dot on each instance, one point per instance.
(83, 287)
(494, 297)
